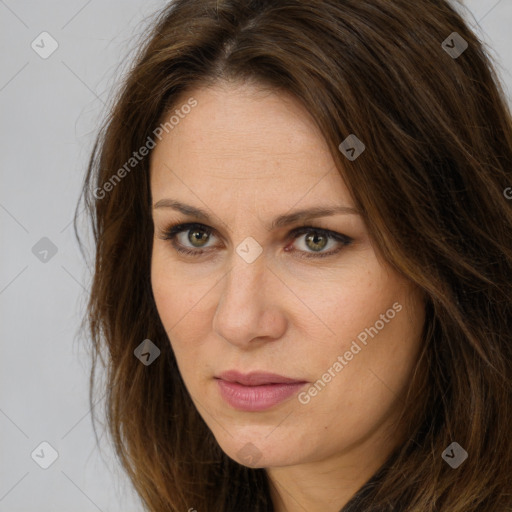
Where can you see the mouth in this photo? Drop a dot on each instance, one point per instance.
(256, 391)
(256, 378)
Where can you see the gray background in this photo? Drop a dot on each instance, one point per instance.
(50, 110)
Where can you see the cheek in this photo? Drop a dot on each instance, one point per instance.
(375, 319)
(167, 291)
(164, 289)
(367, 384)
(181, 302)
(384, 350)
(355, 300)
(174, 294)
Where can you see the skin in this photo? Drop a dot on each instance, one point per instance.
(247, 156)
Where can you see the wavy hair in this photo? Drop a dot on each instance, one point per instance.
(438, 136)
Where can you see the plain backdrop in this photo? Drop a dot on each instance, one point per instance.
(50, 110)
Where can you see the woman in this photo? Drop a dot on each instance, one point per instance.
(303, 260)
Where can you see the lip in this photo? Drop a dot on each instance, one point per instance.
(256, 378)
(256, 391)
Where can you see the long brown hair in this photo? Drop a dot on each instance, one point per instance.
(438, 135)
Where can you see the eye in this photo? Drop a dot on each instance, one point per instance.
(318, 239)
(196, 233)
(199, 235)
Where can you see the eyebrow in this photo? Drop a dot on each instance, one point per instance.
(280, 221)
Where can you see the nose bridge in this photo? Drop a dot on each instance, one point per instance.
(242, 290)
(244, 311)
(248, 261)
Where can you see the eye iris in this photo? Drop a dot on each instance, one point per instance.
(314, 237)
(193, 238)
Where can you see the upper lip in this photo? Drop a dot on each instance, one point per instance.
(256, 378)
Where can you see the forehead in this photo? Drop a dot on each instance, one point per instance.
(254, 142)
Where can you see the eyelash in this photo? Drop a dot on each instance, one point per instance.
(172, 231)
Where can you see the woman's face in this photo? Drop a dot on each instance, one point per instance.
(322, 311)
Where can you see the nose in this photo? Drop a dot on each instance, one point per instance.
(249, 307)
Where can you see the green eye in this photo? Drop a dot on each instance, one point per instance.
(320, 238)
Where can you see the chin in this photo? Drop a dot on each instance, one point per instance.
(259, 451)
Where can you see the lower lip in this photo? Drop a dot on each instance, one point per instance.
(256, 398)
